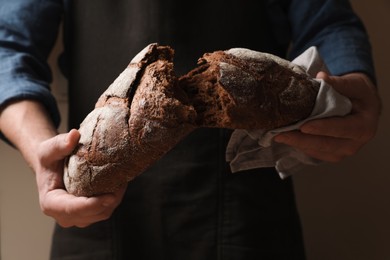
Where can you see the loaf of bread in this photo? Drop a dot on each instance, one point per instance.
(147, 110)
(244, 89)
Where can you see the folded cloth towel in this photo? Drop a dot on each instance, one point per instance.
(249, 149)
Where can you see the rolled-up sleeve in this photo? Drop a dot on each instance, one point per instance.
(336, 30)
(28, 30)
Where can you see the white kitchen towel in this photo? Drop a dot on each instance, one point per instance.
(249, 149)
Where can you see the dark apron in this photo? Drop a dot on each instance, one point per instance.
(188, 205)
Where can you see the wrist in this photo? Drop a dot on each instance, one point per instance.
(26, 124)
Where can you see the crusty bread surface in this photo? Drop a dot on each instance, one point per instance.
(147, 110)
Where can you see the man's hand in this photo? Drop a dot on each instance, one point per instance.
(332, 139)
(28, 126)
(66, 209)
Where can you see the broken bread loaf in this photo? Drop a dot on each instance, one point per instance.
(147, 110)
(136, 120)
(244, 89)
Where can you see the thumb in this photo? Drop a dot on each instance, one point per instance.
(333, 81)
(323, 75)
(349, 85)
(60, 146)
(328, 79)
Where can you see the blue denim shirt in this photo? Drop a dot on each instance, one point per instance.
(28, 30)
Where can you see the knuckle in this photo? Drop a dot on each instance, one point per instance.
(337, 159)
(334, 158)
(45, 208)
(68, 211)
(83, 225)
(370, 134)
(106, 215)
(45, 211)
(349, 151)
(64, 224)
(345, 151)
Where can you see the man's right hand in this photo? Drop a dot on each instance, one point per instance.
(28, 126)
(66, 209)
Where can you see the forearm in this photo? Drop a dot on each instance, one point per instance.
(26, 124)
(27, 33)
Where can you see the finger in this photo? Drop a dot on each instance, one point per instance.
(65, 143)
(72, 139)
(60, 146)
(344, 86)
(88, 220)
(350, 86)
(71, 210)
(325, 157)
(62, 205)
(81, 222)
(80, 206)
(117, 195)
(348, 127)
(106, 206)
(323, 75)
(324, 148)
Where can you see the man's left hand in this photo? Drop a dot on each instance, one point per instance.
(332, 139)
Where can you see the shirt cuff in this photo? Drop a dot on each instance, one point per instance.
(23, 89)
